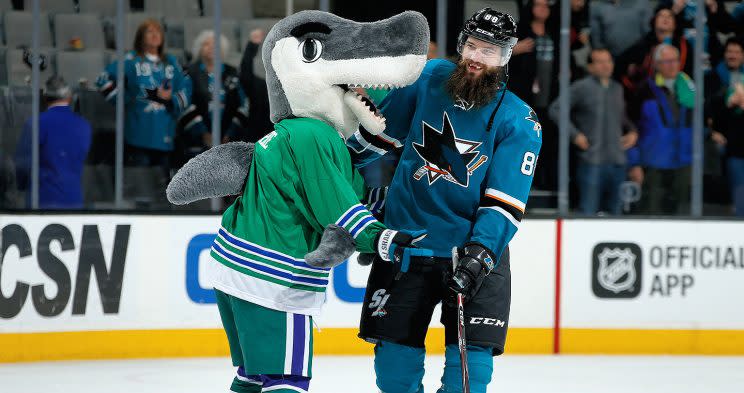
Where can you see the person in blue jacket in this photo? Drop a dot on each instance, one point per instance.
(662, 157)
(469, 151)
(64, 142)
(156, 92)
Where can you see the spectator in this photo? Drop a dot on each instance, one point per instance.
(155, 93)
(636, 64)
(661, 161)
(64, 141)
(728, 118)
(259, 120)
(618, 24)
(195, 125)
(579, 34)
(535, 57)
(716, 20)
(602, 132)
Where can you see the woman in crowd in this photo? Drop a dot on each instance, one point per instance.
(195, 125)
(155, 93)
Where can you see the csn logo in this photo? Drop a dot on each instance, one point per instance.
(616, 270)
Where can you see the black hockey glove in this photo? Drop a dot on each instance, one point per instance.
(471, 265)
(397, 247)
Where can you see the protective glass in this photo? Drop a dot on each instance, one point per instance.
(482, 52)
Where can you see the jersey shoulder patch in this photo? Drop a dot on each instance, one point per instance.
(523, 118)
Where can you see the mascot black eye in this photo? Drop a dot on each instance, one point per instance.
(311, 50)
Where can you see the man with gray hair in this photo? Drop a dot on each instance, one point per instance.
(661, 160)
(64, 141)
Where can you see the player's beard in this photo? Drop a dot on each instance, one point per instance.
(477, 90)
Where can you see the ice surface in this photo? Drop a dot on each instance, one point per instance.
(512, 374)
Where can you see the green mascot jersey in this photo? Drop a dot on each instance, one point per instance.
(301, 180)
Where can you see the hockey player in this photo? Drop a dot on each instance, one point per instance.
(269, 277)
(469, 150)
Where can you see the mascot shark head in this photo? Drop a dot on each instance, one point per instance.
(314, 59)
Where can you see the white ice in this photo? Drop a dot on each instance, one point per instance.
(512, 374)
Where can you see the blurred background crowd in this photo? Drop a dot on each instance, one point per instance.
(631, 104)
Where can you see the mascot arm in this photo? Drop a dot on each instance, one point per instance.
(218, 172)
(333, 204)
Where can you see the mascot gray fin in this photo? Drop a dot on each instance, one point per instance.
(336, 246)
(218, 172)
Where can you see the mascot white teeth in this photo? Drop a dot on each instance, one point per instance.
(299, 212)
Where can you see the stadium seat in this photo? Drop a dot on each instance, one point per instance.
(173, 8)
(173, 32)
(86, 27)
(237, 9)
(6, 5)
(106, 8)
(77, 67)
(18, 29)
(19, 73)
(52, 6)
(192, 28)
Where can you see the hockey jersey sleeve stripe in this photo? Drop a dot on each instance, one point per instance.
(359, 227)
(505, 213)
(506, 198)
(514, 212)
(350, 214)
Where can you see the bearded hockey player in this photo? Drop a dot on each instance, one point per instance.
(469, 150)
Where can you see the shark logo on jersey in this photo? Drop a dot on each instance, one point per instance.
(148, 94)
(446, 156)
(533, 118)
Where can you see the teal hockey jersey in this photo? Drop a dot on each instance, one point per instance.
(148, 123)
(456, 179)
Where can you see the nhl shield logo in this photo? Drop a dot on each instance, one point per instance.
(616, 270)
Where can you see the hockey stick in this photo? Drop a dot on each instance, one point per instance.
(461, 344)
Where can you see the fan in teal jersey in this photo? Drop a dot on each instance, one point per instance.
(300, 211)
(155, 93)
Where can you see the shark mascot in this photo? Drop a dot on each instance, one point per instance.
(299, 212)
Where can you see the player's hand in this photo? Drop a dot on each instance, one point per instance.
(400, 246)
(718, 138)
(471, 265)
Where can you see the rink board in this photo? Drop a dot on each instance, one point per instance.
(118, 286)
